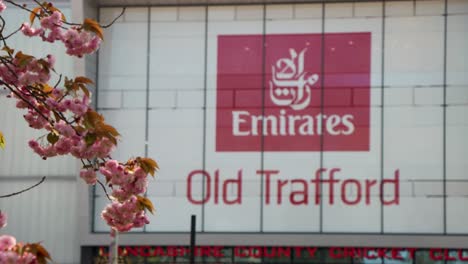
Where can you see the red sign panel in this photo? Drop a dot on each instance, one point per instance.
(293, 95)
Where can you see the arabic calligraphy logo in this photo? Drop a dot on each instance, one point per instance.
(289, 85)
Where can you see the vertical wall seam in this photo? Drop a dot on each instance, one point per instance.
(444, 110)
(262, 139)
(322, 109)
(148, 65)
(382, 115)
(93, 189)
(205, 91)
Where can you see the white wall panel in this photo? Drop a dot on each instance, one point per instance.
(219, 217)
(47, 214)
(363, 165)
(457, 114)
(175, 123)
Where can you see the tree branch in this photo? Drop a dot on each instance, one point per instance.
(105, 190)
(25, 190)
(115, 19)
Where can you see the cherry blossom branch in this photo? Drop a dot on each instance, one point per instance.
(115, 19)
(21, 6)
(104, 189)
(26, 101)
(25, 190)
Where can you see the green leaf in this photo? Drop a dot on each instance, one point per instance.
(2, 141)
(52, 138)
(90, 138)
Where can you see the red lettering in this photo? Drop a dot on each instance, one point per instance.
(145, 251)
(133, 251)
(343, 192)
(238, 182)
(311, 252)
(316, 181)
(333, 253)
(241, 252)
(369, 184)
(412, 252)
(332, 182)
(382, 253)
(171, 251)
(462, 256)
(205, 251)
(369, 254)
(436, 254)
(303, 193)
(267, 174)
(207, 189)
(396, 184)
(279, 193)
(269, 253)
(216, 187)
(159, 251)
(447, 255)
(217, 252)
(255, 252)
(396, 254)
(284, 252)
(297, 251)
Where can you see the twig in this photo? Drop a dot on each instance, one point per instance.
(26, 101)
(105, 190)
(14, 32)
(58, 82)
(115, 19)
(25, 190)
(20, 6)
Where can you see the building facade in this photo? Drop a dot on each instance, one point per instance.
(295, 131)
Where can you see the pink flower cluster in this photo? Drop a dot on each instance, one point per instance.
(11, 257)
(7, 253)
(131, 181)
(77, 41)
(126, 215)
(128, 181)
(25, 70)
(72, 127)
(68, 140)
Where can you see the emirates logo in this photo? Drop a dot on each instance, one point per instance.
(290, 84)
(309, 97)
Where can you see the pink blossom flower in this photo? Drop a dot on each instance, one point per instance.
(27, 258)
(7, 242)
(9, 257)
(29, 31)
(63, 146)
(89, 176)
(64, 129)
(3, 219)
(52, 21)
(2, 6)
